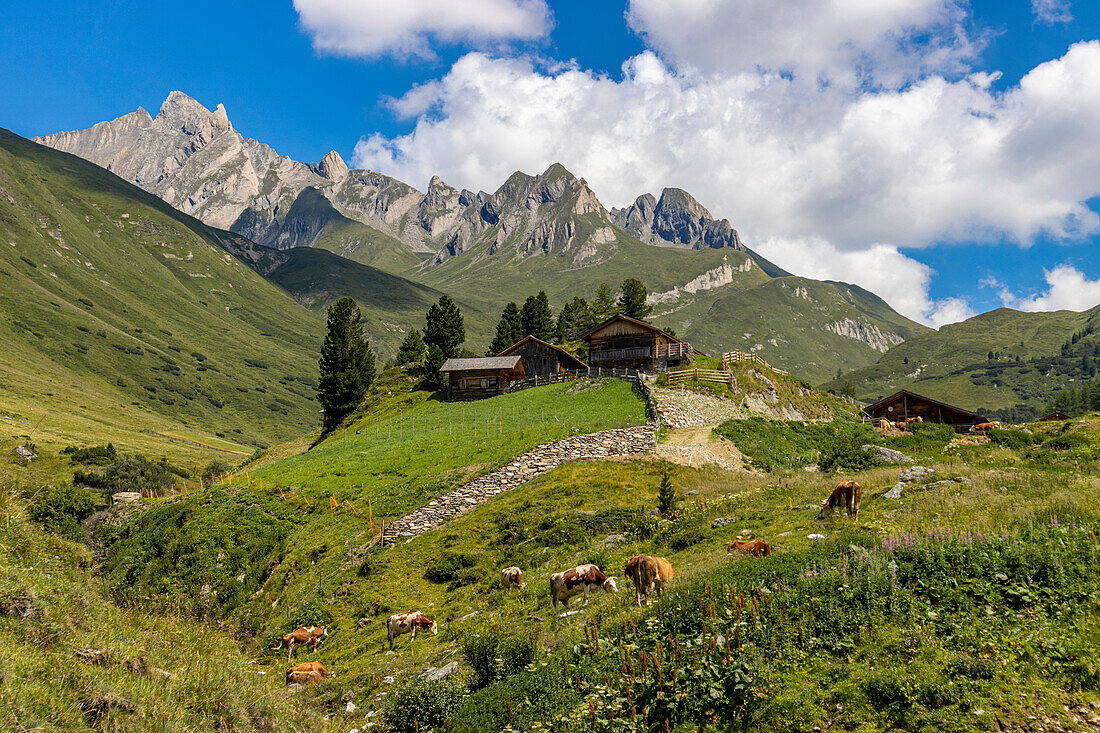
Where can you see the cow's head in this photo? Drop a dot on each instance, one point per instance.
(610, 585)
(434, 628)
(324, 630)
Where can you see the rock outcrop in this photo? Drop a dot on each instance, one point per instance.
(676, 220)
(868, 333)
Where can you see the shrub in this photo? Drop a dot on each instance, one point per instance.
(686, 538)
(666, 494)
(845, 454)
(217, 468)
(61, 509)
(448, 567)
(1015, 439)
(96, 455)
(419, 705)
(492, 654)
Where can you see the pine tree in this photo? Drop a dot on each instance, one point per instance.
(433, 361)
(412, 349)
(632, 300)
(604, 306)
(575, 318)
(537, 319)
(444, 327)
(666, 494)
(346, 364)
(512, 315)
(509, 330)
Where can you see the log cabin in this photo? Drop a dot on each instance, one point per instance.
(541, 358)
(480, 377)
(904, 404)
(625, 342)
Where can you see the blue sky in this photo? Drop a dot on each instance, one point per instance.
(815, 150)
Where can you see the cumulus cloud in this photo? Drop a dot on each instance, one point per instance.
(1067, 289)
(408, 28)
(842, 40)
(1052, 11)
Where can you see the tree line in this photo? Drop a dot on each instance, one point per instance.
(348, 365)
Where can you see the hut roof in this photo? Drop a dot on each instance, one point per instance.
(887, 400)
(480, 362)
(628, 319)
(577, 363)
(1052, 417)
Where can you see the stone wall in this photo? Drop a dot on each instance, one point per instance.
(535, 462)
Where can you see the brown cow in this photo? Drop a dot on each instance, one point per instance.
(885, 424)
(512, 578)
(649, 575)
(301, 637)
(581, 579)
(302, 678)
(307, 668)
(409, 622)
(756, 548)
(846, 495)
(901, 425)
(910, 420)
(985, 427)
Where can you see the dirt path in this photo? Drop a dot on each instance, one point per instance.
(695, 446)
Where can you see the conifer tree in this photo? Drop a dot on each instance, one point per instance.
(632, 300)
(346, 364)
(666, 494)
(509, 329)
(444, 327)
(433, 361)
(604, 306)
(412, 349)
(537, 319)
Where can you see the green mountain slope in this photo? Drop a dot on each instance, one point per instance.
(995, 362)
(109, 292)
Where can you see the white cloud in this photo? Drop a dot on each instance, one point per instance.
(837, 39)
(1052, 11)
(1067, 289)
(408, 28)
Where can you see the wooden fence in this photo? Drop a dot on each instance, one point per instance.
(703, 375)
(633, 376)
(732, 357)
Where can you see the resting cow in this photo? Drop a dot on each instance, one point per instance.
(301, 637)
(649, 575)
(512, 578)
(409, 622)
(910, 420)
(847, 496)
(985, 427)
(308, 668)
(756, 548)
(581, 579)
(302, 678)
(901, 425)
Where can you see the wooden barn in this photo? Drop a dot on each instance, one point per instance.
(625, 342)
(541, 358)
(1054, 417)
(905, 404)
(477, 378)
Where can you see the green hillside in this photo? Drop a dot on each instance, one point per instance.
(1004, 363)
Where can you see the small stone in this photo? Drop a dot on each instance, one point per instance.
(815, 536)
(350, 707)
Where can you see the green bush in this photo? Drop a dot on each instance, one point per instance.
(216, 468)
(773, 444)
(666, 494)
(61, 509)
(686, 538)
(448, 566)
(1015, 439)
(845, 454)
(493, 654)
(419, 706)
(96, 455)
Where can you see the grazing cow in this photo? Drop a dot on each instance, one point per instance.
(910, 420)
(901, 425)
(756, 548)
(301, 637)
(985, 427)
(409, 622)
(581, 579)
(512, 578)
(649, 574)
(306, 668)
(847, 496)
(302, 678)
(885, 424)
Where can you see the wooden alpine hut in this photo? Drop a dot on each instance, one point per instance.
(905, 404)
(625, 342)
(541, 358)
(480, 377)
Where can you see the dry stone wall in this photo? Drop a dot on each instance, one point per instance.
(535, 462)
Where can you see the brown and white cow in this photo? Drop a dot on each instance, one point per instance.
(301, 637)
(911, 420)
(306, 668)
(512, 578)
(847, 496)
(885, 424)
(985, 427)
(649, 574)
(756, 548)
(581, 579)
(302, 678)
(409, 623)
(901, 425)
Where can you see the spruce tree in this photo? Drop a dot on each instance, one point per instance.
(604, 306)
(434, 359)
(666, 494)
(575, 318)
(632, 300)
(509, 329)
(515, 320)
(412, 349)
(536, 317)
(444, 327)
(346, 364)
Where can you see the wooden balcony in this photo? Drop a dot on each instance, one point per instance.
(637, 352)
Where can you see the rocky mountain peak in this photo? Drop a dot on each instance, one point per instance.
(191, 116)
(332, 166)
(677, 219)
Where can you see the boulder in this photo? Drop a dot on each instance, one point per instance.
(437, 673)
(916, 473)
(722, 522)
(889, 455)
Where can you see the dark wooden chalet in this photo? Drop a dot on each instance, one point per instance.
(1053, 417)
(906, 404)
(486, 376)
(625, 342)
(541, 358)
